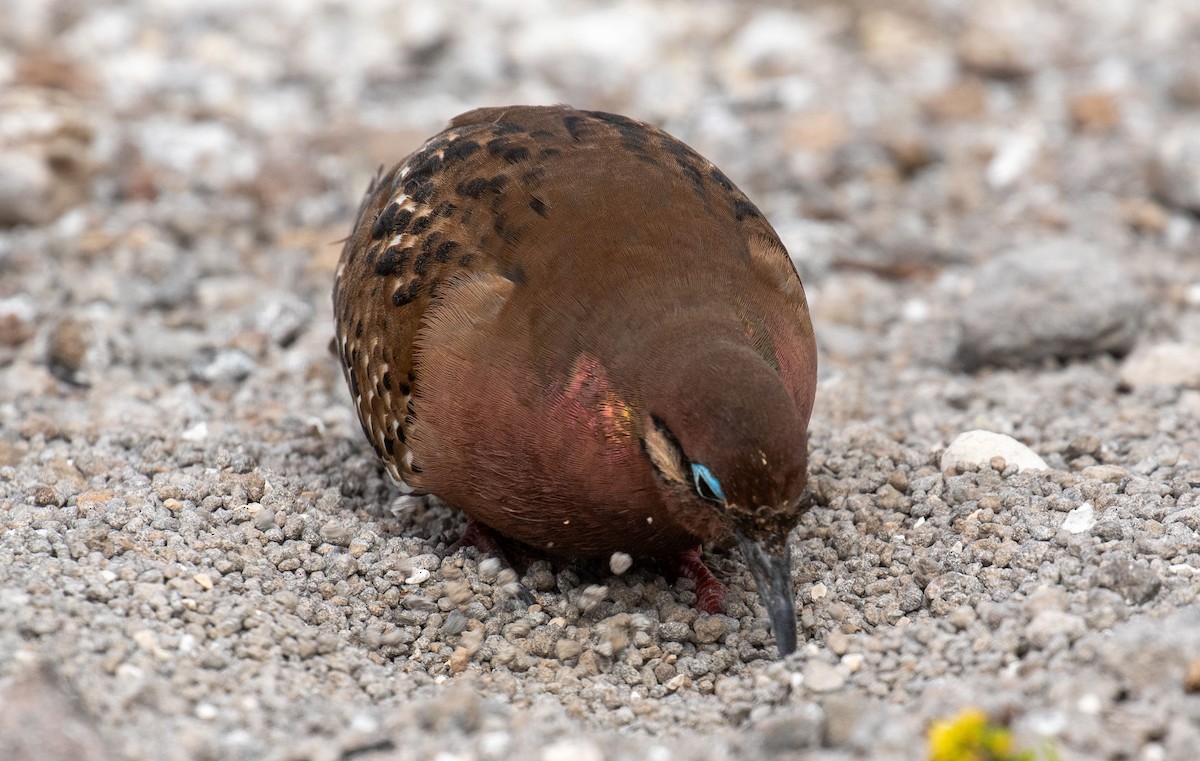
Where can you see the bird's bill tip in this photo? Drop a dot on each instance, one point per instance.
(772, 572)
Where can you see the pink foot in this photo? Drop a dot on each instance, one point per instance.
(709, 591)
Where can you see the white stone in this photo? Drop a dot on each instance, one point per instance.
(1080, 519)
(822, 677)
(572, 750)
(1166, 364)
(620, 562)
(978, 447)
(420, 576)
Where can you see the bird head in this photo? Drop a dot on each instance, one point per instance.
(729, 448)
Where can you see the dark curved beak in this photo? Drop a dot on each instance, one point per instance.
(772, 572)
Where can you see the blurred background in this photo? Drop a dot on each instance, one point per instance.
(994, 208)
(149, 147)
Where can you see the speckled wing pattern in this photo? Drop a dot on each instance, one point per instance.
(457, 208)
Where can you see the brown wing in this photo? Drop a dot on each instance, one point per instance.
(449, 210)
(783, 332)
(495, 194)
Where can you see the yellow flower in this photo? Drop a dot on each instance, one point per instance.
(969, 737)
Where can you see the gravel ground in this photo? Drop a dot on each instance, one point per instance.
(994, 208)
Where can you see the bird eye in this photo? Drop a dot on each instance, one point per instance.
(707, 485)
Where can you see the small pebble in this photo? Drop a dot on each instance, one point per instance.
(978, 448)
(489, 568)
(566, 649)
(1080, 519)
(591, 596)
(419, 576)
(823, 677)
(620, 562)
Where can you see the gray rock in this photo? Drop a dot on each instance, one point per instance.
(1051, 624)
(1061, 298)
(1175, 168)
(1133, 579)
(225, 367)
(950, 590)
(41, 719)
(793, 730)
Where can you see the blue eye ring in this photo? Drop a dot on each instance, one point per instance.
(707, 485)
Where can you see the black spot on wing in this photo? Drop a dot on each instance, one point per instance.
(420, 225)
(575, 125)
(635, 137)
(506, 128)
(507, 150)
(742, 209)
(423, 166)
(476, 187)
(406, 293)
(719, 177)
(421, 264)
(384, 221)
(507, 232)
(513, 272)
(393, 261)
(539, 206)
(460, 149)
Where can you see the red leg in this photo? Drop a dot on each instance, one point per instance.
(709, 591)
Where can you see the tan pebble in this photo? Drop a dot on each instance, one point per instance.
(1191, 682)
(639, 622)
(472, 638)
(837, 641)
(1109, 474)
(620, 562)
(1095, 111)
(998, 463)
(505, 656)
(459, 659)
(459, 593)
(567, 649)
(899, 481)
(507, 583)
(615, 640)
(172, 504)
(204, 580)
(1144, 215)
(592, 596)
(519, 629)
(677, 682)
(818, 592)
(853, 662)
